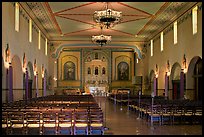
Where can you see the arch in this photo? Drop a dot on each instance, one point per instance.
(69, 70)
(60, 48)
(175, 71)
(194, 79)
(174, 82)
(17, 78)
(123, 71)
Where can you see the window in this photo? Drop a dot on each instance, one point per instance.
(30, 30)
(39, 36)
(46, 46)
(151, 48)
(194, 19)
(17, 17)
(162, 41)
(175, 32)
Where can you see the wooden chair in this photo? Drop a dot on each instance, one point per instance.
(49, 123)
(155, 115)
(166, 115)
(34, 124)
(65, 125)
(80, 121)
(6, 126)
(96, 122)
(18, 122)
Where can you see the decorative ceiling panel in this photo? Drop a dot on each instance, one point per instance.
(65, 21)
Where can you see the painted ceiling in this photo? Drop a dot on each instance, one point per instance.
(73, 21)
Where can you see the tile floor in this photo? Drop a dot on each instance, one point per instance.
(121, 121)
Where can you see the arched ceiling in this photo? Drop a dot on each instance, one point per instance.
(72, 22)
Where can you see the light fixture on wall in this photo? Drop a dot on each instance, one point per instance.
(107, 18)
(184, 64)
(7, 56)
(35, 68)
(156, 71)
(42, 71)
(24, 63)
(168, 68)
(101, 39)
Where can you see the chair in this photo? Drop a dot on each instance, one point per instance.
(166, 116)
(34, 124)
(49, 123)
(96, 122)
(65, 125)
(80, 122)
(5, 123)
(18, 122)
(177, 116)
(155, 115)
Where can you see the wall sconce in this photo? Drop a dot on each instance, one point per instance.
(24, 63)
(184, 64)
(7, 56)
(55, 79)
(42, 71)
(168, 68)
(35, 68)
(156, 71)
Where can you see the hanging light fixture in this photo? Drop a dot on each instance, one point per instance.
(107, 18)
(101, 39)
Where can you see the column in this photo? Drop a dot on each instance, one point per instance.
(36, 81)
(26, 85)
(166, 85)
(10, 83)
(181, 84)
(155, 86)
(44, 85)
(7, 83)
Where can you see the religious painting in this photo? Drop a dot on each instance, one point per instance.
(123, 71)
(69, 71)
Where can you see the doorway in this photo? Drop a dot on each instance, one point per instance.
(176, 89)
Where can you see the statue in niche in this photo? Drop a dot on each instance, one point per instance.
(69, 71)
(96, 55)
(96, 70)
(103, 71)
(123, 71)
(89, 59)
(89, 70)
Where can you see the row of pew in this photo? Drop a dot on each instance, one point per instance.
(53, 115)
(162, 111)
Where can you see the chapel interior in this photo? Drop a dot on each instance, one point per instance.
(102, 68)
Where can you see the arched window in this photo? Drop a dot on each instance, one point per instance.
(69, 71)
(96, 70)
(123, 71)
(89, 70)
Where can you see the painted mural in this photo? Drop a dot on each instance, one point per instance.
(123, 71)
(69, 71)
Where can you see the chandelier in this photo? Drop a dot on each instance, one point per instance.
(101, 39)
(107, 18)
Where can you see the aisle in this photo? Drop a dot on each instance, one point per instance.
(122, 121)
